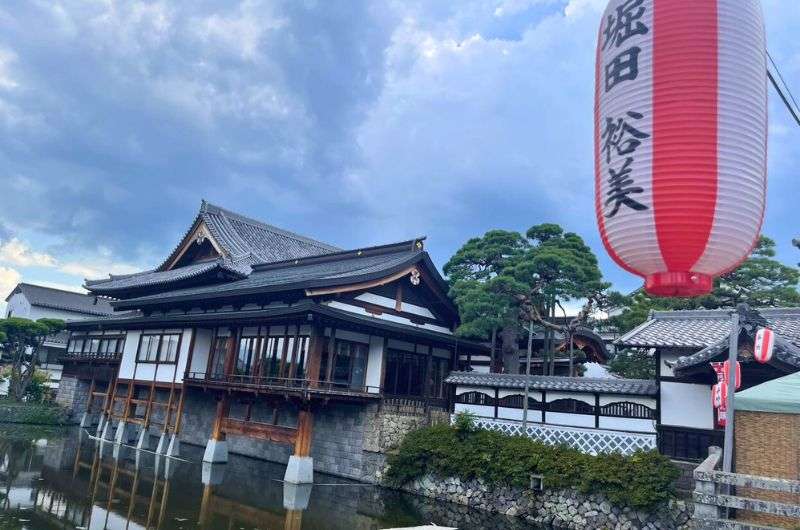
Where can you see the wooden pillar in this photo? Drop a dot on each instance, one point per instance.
(223, 408)
(293, 520)
(302, 444)
(230, 355)
(205, 505)
(331, 356)
(91, 396)
(315, 354)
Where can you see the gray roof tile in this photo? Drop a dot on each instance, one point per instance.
(288, 275)
(703, 328)
(51, 298)
(639, 387)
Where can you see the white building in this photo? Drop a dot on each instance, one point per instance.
(37, 301)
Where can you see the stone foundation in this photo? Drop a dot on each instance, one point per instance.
(73, 396)
(556, 508)
(349, 439)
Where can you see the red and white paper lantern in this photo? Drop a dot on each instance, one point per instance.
(680, 138)
(764, 344)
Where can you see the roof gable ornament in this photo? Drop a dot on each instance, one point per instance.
(415, 277)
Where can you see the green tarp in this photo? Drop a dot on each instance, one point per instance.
(778, 395)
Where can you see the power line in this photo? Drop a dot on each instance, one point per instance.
(780, 92)
(785, 101)
(780, 76)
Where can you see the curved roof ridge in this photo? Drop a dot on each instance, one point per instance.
(207, 207)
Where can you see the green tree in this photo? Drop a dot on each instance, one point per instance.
(502, 282)
(22, 341)
(633, 364)
(760, 281)
(479, 288)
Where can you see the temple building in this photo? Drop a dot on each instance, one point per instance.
(253, 339)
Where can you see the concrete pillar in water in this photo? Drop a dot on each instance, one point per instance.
(174, 447)
(216, 452)
(299, 470)
(123, 433)
(101, 423)
(144, 439)
(161, 447)
(86, 420)
(105, 435)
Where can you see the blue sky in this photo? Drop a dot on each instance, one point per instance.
(356, 123)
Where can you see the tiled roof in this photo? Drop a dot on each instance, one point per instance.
(50, 298)
(244, 242)
(243, 237)
(334, 269)
(155, 277)
(638, 387)
(703, 328)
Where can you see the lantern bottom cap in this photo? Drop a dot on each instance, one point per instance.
(678, 284)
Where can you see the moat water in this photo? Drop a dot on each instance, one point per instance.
(61, 478)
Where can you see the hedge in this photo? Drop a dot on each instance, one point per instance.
(644, 479)
(32, 413)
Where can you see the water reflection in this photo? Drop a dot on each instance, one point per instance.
(64, 479)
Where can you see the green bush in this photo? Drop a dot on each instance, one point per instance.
(644, 479)
(32, 413)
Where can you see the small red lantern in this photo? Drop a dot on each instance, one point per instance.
(719, 395)
(764, 344)
(680, 138)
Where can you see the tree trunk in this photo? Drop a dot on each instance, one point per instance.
(509, 338)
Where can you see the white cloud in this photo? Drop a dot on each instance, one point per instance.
(7, 57)
(18, 253)
(9, 278)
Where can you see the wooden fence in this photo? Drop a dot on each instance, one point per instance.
(715, 497)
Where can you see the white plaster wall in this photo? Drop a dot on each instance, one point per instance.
(586, 398)
(375, 364)
(384, 301)
(663, 369)
(202, 349)
(129, 355)
(516, 414)
(482, 389)
(503, 392)
(385, 316)
(627, 424)
(18, 306)
(605, 399)
(478, 410)
(686, 405)
(576, 420)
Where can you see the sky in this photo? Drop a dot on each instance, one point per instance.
(353, 122)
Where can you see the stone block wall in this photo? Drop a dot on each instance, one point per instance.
(349, 439)
(73, 395)
(553, 508)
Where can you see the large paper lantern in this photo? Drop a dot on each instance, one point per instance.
(680, 138)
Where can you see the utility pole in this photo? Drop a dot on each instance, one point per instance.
(527, 380)
(733, 348)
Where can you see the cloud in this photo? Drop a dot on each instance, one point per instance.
(9, 278)
(18, 253)
(358, 122)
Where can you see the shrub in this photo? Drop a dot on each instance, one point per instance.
(644, 479)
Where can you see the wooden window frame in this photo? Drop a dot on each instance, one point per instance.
(159, 353)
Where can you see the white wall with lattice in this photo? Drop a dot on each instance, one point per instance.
(587, 440)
